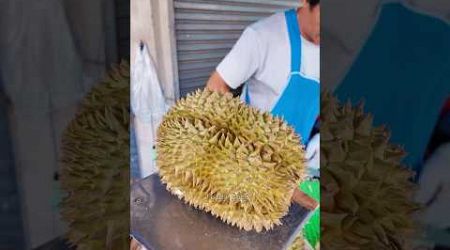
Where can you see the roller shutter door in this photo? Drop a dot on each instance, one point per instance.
(207, 29)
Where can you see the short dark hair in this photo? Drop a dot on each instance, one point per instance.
(313, 2)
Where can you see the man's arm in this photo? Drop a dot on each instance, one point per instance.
(239, 65)
(216, 83)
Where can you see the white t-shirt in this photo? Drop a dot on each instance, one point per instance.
(434, 188)
(262, 57)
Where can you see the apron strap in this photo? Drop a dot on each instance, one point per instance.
(247, 95)
(295, 39)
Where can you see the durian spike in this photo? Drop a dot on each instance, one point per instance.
(366, 191)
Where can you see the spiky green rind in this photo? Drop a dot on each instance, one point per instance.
(366, 193)
(95, 166)
(229, 159)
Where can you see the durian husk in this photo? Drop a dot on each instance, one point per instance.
(229, 159)
(366, 192)
(298, 244)
(95, 166)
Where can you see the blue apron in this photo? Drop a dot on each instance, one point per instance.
(403, 74)
(298, 104)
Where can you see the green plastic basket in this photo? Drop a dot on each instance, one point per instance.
(311, 230)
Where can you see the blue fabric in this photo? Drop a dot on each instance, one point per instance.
(134, 156)
(299, 103)
(403, 74)
(294, 39)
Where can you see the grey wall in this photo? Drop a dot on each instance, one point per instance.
(11, 231)
(51, 53)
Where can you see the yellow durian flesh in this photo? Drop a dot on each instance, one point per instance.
(229, 159)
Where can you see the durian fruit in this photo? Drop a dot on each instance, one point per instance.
(95, 166)
(366, 192)
(229, 159)
(298, 244)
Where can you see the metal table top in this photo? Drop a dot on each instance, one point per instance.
(160, 221)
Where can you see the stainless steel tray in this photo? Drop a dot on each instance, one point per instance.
(160, 221)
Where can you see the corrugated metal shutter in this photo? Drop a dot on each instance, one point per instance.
(207, 29)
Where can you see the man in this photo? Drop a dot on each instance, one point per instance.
(278, 61)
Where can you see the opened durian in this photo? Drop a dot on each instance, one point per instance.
(366, 193)
(229, 159)
(95, 166)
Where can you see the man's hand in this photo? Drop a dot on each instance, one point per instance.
(216, 83)
(304, 200)
(134, 245)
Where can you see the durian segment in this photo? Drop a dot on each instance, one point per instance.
(366, 193)
(95, 166)
(229, 159)
(298, 244)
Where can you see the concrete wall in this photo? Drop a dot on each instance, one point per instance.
(152, 22)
